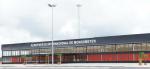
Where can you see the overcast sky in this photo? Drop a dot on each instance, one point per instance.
(30, 20)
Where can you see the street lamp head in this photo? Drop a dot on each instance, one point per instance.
(51, 5)
(79, 5)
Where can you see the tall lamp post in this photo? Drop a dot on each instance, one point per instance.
(52, 6)
(78, 18)
(78, 15)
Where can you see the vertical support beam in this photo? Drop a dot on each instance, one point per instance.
(19, 56)
(129, 52)
(133, 51)
(74, 58)
(2, 56)
(60, 56)
(11, 55)
(141, 47)
(48, 57)
(146, 47)
(87, 58)
(116, 52)
(101, 57)
(39, 55)
(86, 55)
(36, 59)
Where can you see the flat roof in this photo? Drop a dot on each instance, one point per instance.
(109, 39)
(119, 39)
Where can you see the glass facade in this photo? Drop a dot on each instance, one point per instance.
(147, 46)
(34, 54)
(83, 49)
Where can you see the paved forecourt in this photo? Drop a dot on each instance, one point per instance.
(76, 66)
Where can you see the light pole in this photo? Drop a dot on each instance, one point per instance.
(78, 15)
(52, 6)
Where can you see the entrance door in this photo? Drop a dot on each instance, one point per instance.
(73, 58)
(67, 58)
(81, 58)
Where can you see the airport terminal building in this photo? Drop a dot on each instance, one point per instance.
(109, 49)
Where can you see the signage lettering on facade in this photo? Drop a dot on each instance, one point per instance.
(64, 43)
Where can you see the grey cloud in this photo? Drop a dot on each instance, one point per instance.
(31, 25)
(31, 19)
(98, 17)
